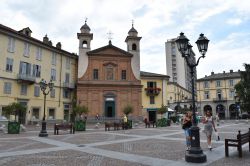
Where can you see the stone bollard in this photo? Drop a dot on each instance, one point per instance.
(3, 128)
(97, 125)
(22, 127)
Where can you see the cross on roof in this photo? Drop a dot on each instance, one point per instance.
(110, 35)
(86, 19)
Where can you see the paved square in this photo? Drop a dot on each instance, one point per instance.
(136, 147)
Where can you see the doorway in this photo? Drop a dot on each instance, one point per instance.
(152, 116)
(110, 109)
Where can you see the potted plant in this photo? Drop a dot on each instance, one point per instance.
(163, 122)
(128, 110)
(14, 109)
(80, 121)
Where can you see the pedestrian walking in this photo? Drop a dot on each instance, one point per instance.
(208, 128)
(186, 125)
(217, 118)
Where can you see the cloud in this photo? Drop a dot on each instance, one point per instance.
(156, 21)
(234, 21)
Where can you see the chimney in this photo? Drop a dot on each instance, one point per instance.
(224, 72)
(231, 71)
(46, 39)
(26, 31)
(50, 43)
(212, 73)
(58, 45)
(205, 75)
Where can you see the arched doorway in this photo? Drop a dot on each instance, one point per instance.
(178, 109)
(220, 110)
(233, 111)
(109, 105)
(207, 108)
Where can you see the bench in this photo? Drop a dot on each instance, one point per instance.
(116, 125)
(148, 123)
(66, 126)
(241, 140)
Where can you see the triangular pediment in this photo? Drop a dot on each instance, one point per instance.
(109, 50)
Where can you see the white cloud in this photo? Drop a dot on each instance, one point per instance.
(234, 21)
(156, 21)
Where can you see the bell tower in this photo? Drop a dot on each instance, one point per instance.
(133, 47)
(84, 38)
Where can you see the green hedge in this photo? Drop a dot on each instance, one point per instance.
(163, 122)
(13, 128)
(80, 125)
(130, 124)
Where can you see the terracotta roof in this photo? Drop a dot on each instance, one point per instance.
(109, 46)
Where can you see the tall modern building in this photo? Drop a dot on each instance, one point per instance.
(177, 67)
(25, 61)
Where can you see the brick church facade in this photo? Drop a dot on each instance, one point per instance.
(109, 77)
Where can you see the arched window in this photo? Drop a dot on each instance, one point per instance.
(134, 47)
(84, 44)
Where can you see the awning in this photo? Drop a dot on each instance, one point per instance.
(170, 110)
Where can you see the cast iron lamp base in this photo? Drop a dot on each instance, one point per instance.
(195, 155)
(43, 132)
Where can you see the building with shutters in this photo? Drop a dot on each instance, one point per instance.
(24, 62)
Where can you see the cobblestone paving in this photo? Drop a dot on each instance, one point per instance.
(136, 147)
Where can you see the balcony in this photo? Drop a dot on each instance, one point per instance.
(68, 85)
(219, 99)
(26, 78)
(152, 91)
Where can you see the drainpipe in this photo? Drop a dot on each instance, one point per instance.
(60, 85)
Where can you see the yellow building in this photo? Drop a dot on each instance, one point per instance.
(24, 62)
(154, 94)
(178, 97)
(216, 92)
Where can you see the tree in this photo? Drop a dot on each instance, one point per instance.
(162, 110)
(15, 109)
(79, 110)
(243, 88)
(128, 109)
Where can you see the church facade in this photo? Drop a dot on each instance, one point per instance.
(109, 77)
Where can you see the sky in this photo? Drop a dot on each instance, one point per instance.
(226, 23)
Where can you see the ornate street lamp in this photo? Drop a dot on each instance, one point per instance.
(195, 155)
(46, 88)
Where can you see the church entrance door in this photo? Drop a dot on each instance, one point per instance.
(110, 109)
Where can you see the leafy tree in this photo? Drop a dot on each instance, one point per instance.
(79, 110)
(243, 88)
(14, 109)
(162, 110)
(128, 109)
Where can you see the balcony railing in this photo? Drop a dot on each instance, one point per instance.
(69, 85)
(152, 91)
(26, 78)
(219, 99)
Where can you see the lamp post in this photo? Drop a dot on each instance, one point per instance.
(195, 155)
(237, 106)
(46, 88)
